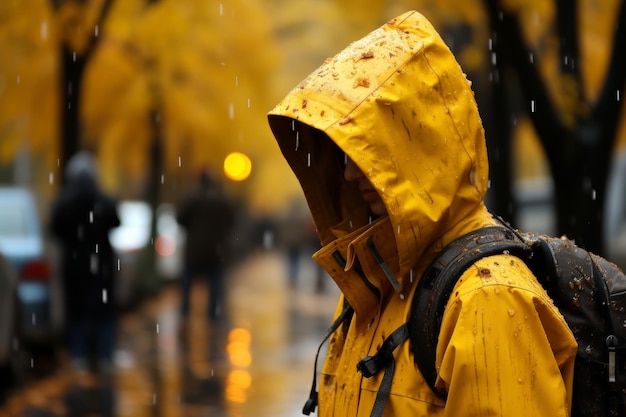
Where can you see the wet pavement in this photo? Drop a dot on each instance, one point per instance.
(255, 361)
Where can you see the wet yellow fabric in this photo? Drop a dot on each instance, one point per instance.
(397, 103)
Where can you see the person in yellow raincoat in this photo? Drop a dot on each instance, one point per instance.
(387, 143)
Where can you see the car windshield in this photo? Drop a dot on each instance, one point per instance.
(12, 221)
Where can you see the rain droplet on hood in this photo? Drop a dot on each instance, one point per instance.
(472, 176)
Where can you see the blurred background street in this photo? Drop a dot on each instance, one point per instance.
(255, 360)
(157, 91)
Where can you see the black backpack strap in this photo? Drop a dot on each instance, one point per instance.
(383, 359)
(436, 284)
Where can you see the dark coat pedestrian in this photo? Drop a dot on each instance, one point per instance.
(208, 218)
(81, 219)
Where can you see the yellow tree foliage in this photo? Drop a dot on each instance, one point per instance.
(211, 71)
(201, 66)
(28, 87)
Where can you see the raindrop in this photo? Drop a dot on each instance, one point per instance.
(617, 95)
(96, 31)
(18, 80)
(162, 178)
(154, 398)
(51, 178)
(401, 296)
(91, 216)
(157, 328)
(43, 30)
(248, 103)
(398, 229)
(32, 362)
(74, 56)
(494, 60)
(268, 239)
(97, 248)
(297, 140)
(236, 81)
(511, 312)
(33, 319)
(411, 281)
(93, 265)
(231, 111)
(593, 195)
(119, 265)
(221, 9)
(532, 106)
(180, 162)
(105, 297)
(490, 44)
(531, 58)
(589, 350)
(293, 125)
(308, 159)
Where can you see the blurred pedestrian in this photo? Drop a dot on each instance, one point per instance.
(208, 218)
(292, 238)
(81, 219)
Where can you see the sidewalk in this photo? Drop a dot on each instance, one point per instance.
(257, 361)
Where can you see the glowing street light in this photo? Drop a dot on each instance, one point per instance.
(237, 166)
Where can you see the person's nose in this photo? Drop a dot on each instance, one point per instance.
(351, 171)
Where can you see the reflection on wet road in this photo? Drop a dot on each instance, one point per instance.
(257, 360)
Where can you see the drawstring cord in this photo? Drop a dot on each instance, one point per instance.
(311, 403)
(383, 265)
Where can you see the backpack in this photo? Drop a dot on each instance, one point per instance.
(588, 290)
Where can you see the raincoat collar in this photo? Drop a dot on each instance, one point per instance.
(368, 264)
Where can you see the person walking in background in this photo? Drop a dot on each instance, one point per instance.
(387, 143)
(81, 219)
(208, 218)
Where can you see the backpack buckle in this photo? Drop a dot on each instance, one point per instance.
(369, 366)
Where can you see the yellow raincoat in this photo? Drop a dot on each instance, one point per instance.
(398, 104)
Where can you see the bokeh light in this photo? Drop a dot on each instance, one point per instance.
(237, 166)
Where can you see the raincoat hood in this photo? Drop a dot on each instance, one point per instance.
(397, 103)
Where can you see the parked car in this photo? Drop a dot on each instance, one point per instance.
(133, 237)
(8, 327)
(22, 245)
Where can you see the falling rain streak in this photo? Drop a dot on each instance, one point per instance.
(43, 30)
